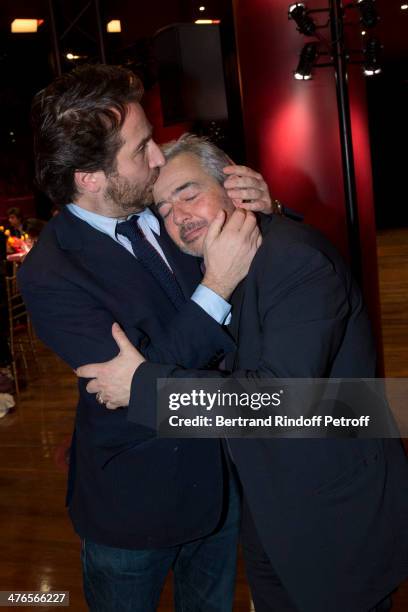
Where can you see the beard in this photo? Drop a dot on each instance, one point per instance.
(127, 197)
(191, 246)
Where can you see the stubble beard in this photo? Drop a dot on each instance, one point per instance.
(191, 247)
(126, 198)
(195, 246)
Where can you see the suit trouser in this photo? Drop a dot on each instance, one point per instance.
(268, 592)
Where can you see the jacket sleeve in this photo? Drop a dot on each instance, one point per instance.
(303, 307)
(191, 338)
(71, 322)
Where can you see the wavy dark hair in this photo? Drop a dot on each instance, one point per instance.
(76, 123)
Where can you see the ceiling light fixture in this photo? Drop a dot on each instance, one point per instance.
(300, 16)
(369, 15)
(372, 52)
(114, 26)
(307, 60)
(25, 26)
(207, 21)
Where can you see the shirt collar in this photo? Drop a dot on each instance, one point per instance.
(152, 221)
(107, 225)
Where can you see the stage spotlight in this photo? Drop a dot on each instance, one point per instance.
(372, 54)
(369, 16)
(307, 59)
(305, 24)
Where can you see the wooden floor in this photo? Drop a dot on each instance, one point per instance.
(38, 549)
(392, 246)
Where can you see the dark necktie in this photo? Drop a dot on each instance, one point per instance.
(151, 260)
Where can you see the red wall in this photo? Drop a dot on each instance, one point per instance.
(292, 131)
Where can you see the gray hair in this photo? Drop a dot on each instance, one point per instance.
(212, 158)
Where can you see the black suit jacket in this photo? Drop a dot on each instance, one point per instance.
(125, 488)
(332, 514)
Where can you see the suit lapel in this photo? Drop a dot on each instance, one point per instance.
(98, 251)
(238, 297)
(237, 300)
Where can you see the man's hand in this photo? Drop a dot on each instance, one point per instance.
(112, 380)
(247, 189)
(229, 249)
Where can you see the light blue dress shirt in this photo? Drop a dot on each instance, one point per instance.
(213, 304)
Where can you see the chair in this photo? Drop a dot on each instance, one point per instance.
(21, 337)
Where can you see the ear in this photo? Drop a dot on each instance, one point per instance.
(89, 182)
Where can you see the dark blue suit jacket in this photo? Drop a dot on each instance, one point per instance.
(126, 488)
(332, 514)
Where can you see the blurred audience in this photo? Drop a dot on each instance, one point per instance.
(15, 222)
(6, 378)
(32, 231)
(19, 237)
(19, 246)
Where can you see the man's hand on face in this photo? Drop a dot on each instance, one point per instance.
(229, 249)
(112, 379)
(247, 189)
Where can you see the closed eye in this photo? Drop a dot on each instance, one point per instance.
(143, 145)
(141, 149)
(164, 209)
(189, 196)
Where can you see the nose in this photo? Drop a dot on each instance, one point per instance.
(181, 213)
(156, 157)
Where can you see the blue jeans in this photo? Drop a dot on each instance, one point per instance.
(121, 580)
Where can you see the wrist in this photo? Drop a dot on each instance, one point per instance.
(218, 287)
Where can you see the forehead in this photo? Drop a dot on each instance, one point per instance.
(181, 169)
(136, 123)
